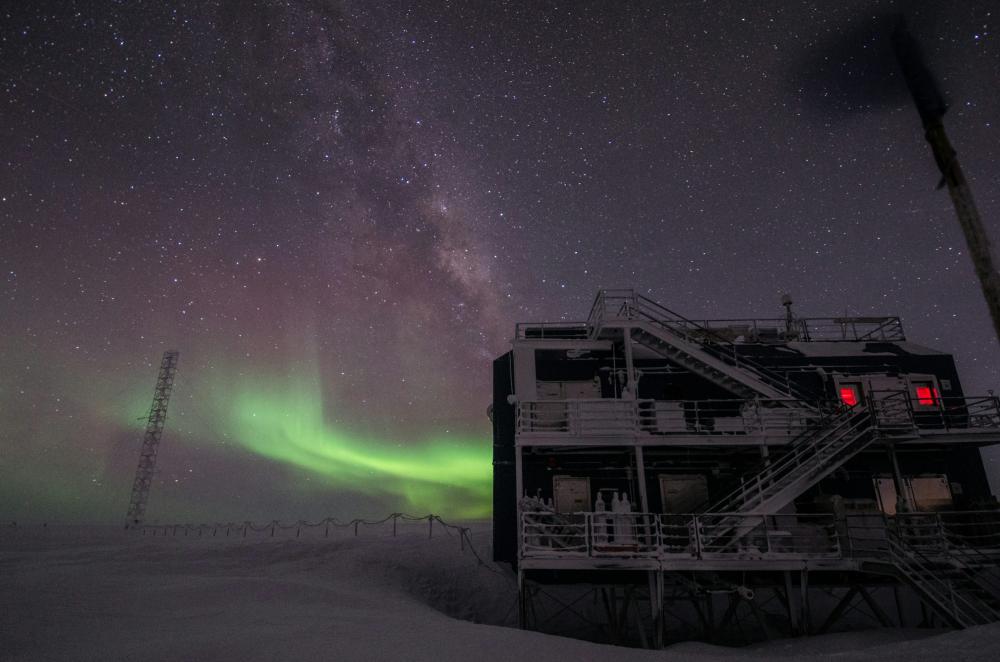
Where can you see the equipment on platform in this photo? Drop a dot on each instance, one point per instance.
(151, 439)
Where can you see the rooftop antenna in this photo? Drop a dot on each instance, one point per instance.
(786, 301)
(931, 106)
(151, 439)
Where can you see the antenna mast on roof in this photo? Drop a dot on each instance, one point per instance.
(151, 439)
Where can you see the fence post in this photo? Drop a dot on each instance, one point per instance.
(461, 539)
(272, 527)
(394, 525)
(430, 526)
(355, 528)
(327, 533)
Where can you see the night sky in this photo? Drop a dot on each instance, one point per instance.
(337, 211)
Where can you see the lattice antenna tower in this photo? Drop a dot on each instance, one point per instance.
(151, 439)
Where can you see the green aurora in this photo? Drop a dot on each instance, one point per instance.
(447, 476)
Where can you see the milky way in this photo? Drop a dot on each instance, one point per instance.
(336, 211)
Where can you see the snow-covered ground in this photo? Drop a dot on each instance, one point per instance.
(99, 593)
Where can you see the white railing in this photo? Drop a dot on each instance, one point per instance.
(551, 331)
(653, 536)
(769, 536)
(603, 417)
(578, 417)
(895, 411)
(628, 304)
(971, 538)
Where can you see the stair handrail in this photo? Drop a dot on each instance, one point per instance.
(892, 321)
(903, 555)
(810, 440)
(645, 308)
(962, 550)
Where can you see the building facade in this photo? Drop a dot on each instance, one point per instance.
(771, 474)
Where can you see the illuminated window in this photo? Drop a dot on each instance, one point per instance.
(927, 395)
(849, 394)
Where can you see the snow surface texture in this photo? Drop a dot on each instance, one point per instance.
(98, 593)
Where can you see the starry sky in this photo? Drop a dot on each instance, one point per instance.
(337, 210)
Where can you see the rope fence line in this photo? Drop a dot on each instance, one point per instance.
(241, 529)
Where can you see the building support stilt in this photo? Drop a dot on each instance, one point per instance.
(805, 617)
(522, 606)
(902, 499)
(899, 605)
(656, 606)
(790, 603)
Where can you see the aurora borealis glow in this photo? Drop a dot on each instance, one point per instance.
(452, 476)
(337, 210)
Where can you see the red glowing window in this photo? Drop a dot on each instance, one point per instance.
(849, 395)
(927, 395)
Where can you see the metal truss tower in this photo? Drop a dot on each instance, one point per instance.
(151, 439)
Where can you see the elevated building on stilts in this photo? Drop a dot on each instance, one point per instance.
(732, 480)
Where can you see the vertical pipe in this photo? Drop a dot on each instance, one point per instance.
(633, 390)
(522, 616)
(902, 500)
(793, 611)
(519, 494)
(804, 617)
(640, 466)
(518, 477)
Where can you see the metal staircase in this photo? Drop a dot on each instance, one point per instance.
(692, 346)
(962, 587)
(809, 458)
(958, 580)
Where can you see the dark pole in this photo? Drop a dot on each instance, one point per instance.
(932, 107)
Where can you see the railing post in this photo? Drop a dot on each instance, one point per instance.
(942, 534)
(696, 522)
